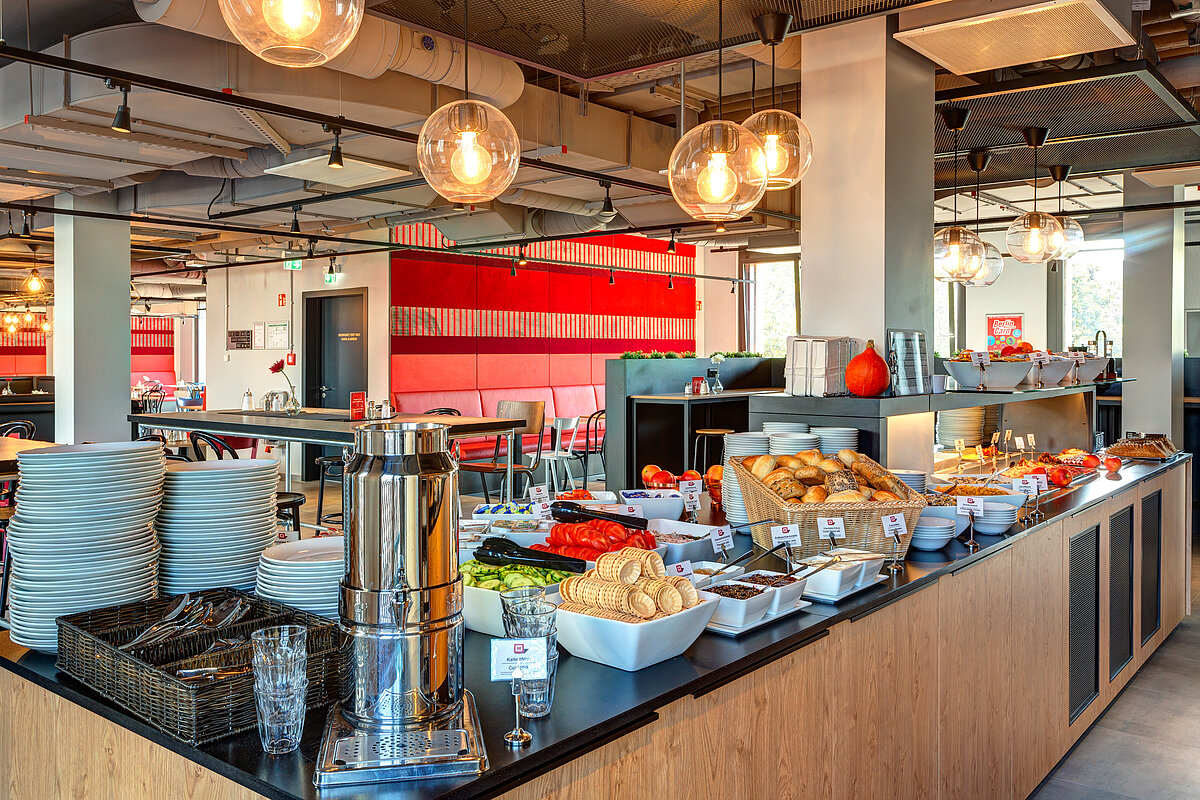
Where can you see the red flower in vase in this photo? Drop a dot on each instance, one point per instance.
(277, 367)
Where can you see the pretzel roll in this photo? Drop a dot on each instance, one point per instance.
(810, 457)
(666, 597)
(809, 476)
(618, 568)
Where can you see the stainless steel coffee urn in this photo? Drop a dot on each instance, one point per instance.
(404, 713)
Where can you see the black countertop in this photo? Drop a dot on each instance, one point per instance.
(593, 703)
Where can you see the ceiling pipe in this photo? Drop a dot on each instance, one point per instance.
(380, 45)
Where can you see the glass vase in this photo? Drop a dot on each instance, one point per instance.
(292, 406)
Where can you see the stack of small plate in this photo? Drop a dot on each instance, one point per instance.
(960, 423)
(913, 477)
(303, 574)
(739, 445)
(783, 444)
(834, 439)
(932, 533)
(83, 534)
(216, 518)
(785, 427)
(995, 519)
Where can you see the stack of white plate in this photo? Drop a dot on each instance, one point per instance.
(739, 445)
(83, 535)
(996, 518)
(783, 444)
(785, 427)
(932, 533)
(216, 518)
(961, 423)
(913, 477)
(834, 439)
(303, 574)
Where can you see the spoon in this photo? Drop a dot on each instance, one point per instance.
(180, 606)
(826, 565)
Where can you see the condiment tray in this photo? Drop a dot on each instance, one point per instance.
(725, 630)
(833, 598)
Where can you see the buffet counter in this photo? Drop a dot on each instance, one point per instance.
(965, 675)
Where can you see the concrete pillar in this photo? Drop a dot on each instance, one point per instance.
(91, 323)
(1152, 335)
(867, 235)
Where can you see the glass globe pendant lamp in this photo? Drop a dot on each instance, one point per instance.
(468, 151)
(716, 169)
(1032, 236)
(993, 259)
(957, 252)
(786, 141)
(294, 33)
(1072, 238)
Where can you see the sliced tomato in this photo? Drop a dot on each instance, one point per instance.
(636, 540)
(648, 537)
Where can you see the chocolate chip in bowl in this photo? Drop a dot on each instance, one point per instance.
(740, 603)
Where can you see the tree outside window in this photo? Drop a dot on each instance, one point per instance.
(1093, 294)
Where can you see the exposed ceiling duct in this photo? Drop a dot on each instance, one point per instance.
(380, 45)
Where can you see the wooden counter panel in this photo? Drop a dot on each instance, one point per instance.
(81, 755)
(883, 685)
(975, 708)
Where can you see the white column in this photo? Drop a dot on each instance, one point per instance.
(91, 323)
(1152, 335)
(867, 200)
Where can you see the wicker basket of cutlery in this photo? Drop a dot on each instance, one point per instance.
(143, 681)
(863, 521)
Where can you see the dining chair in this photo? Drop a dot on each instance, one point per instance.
(287, 504)
(593, 443)
(532, 413)
(152, 401)
(562, 450)
(455, 450)
(19, 428)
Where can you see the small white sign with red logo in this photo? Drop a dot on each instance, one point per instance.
(830, 528)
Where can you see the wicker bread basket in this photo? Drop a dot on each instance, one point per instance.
(863, 521)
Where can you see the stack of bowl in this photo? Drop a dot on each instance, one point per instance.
(932, 533)
(995, 519)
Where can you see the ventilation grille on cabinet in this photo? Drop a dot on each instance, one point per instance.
(1120, 590)
(1151, 565)
(1083, 639)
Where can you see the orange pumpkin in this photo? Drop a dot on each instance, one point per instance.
(867, 374)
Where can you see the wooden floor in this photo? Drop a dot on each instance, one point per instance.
(1146, 746)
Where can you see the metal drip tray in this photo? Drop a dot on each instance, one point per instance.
(349, 755)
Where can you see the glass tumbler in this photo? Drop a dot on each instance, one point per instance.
(280, 716)
(280, 656)
(537, 696)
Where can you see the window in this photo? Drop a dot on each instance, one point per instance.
(943, 319)
(1092, 287)
(773, 305)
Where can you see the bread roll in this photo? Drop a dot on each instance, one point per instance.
(787, 489)
(841, 481)
(810, 457)
(889, 483)
(795, 500)
(815, 494)
(846, 497)
(884, 496)
(788, 462)
(810, 476)
(847, 456)
(777, 475)
(867, 469)
(867, 490)
(761, 466)
(830, 465)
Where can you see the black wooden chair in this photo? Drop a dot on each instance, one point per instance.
(152, 401)
(593, 443)
(19, 428)
(287, 504)
(331, 467)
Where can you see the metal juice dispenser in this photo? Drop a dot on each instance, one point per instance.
(403, 713)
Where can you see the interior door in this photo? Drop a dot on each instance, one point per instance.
(335, 358)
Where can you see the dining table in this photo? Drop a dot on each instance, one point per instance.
(10, 448)
(330, 427)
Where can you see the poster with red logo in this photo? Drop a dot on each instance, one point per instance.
(1004, 330)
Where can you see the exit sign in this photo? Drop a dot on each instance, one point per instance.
(294, 263)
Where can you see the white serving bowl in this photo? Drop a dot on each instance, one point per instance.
(948, 513)
(1090, 370)
(631, 646)
(992, 528)
(930, 542)
(740, 613)
(1052, 373)
(870, 566)
(785, 595)
(698, 550)
(833, 580)
(704, 580)
(999, 374)
(664, 503)
(598, 498)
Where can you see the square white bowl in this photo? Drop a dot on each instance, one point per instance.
(1052, 373)
(785, 595)
(482, 611)
(631, 646)
(739, 613)
(998, 374)
(698, 550)
(1090, 370)
(833, 580)
(662, 504)
(870, 566)
(704, 580)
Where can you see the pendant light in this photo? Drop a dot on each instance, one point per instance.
(671, 244)
(335, 152)
(122, 121)
(468, 151)
(786, 141)
(1072, 238)
(294, 33)
(993, 259)
(33, 284)
(957, 252)
(716, 169)
(1031, 236)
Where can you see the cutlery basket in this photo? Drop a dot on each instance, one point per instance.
(142, 680)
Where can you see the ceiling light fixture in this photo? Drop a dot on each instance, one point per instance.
(1072, 238)
(122, 122)
(1031, 236)
(295, 219)
(733, 288)
(330, 275)
(335, 152)
(611, 278)
(521, 259)
(671, 244)
(26, 223)
(719, 227)
(294, 33)
(312, 248)
(512, 269)
(786, 141)
(993, 259)
(607, 208)
(670, 281)
(33, 284)
(716, 169)
(957, 252)
(468, 151)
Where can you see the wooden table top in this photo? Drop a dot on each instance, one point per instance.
(10, 447)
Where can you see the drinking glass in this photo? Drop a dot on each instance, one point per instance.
(536, 696)
(515, 598)
(280, 657)
(280, 716)
(528, 618)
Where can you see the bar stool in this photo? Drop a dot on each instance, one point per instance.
(703, 435)
(330, 467)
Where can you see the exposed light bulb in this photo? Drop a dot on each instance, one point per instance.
(28, 317)
(292, 19)
(45, 326)
(34, 282)
(12, 328)
(470, 162)
(1033, 240)
(775, 157)
(717, 183)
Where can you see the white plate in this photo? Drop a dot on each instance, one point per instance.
(20, 601)
(326, 588)
(829, 598)
(61, 451)
(302, 570)
(96, 552)
(93, 564)
(632, 646)
(225, 465)
(321, 549)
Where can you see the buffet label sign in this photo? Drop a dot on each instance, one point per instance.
(1025, 485)
(830, 528)
(894, 525)
(540, 510)
(722, 538)
(969, 505)
(539, 493)
(691, 501)
(681, 570)
(980, 357)
(691, 486)
(785, 534)
(522, 659)
(1039, 357)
